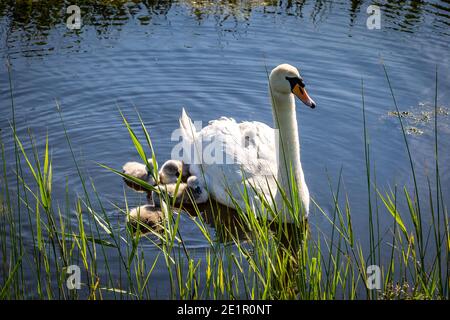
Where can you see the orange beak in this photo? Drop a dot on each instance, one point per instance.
(303, 96)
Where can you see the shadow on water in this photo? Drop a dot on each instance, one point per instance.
(33, 21)
(227, 223)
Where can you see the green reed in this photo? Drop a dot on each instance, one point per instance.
(248, 257)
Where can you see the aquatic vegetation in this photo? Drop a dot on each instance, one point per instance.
(413, 130)
(402, 114)
(400, 292)
(420, 118)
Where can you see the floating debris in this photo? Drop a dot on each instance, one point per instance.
(413, 130)
(425, 116)
(403, 114)
(417, 121)
(442, 111)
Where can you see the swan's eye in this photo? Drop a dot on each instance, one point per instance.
(293, 81)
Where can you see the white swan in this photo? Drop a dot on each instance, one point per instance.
(253, 153)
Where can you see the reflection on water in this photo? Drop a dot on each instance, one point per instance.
(228, 225)
(418, 119)
(226, 222)
(32, 21)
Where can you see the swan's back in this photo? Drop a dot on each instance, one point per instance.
(233, 155)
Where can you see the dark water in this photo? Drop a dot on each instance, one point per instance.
(210, 57)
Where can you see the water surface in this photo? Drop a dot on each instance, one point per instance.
(211, 57)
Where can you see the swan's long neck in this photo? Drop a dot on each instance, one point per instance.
(288, 145)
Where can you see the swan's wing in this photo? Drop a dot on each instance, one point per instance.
(236, 156)
(250, 145)
(259, 137)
